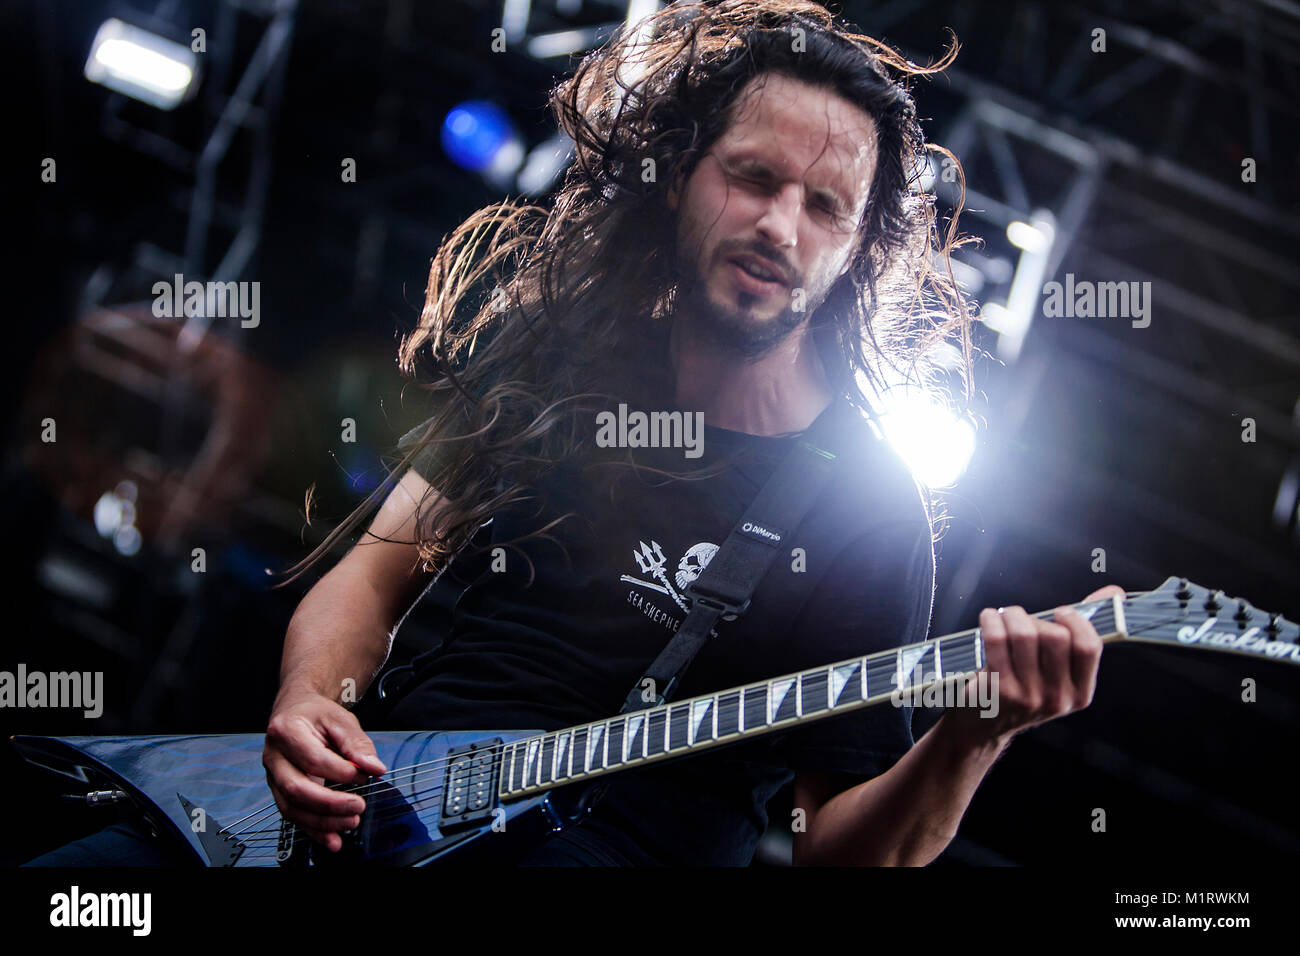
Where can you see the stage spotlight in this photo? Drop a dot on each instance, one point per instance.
(140, 64)
(1012, 321)
(477, 135)
(1031, 238)
(935, 444)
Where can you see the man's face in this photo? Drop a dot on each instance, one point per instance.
(783, 189)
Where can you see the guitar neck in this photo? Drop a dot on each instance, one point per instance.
(672, 730)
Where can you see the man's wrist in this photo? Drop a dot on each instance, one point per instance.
(966, 740)
(296, 688)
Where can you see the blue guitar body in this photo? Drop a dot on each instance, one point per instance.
(210, 793)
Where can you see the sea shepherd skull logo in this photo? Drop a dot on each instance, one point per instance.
(650, 559)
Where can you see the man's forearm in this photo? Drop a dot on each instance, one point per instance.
(910, 813)
(341, 630)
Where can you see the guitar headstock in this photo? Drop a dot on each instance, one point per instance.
(1179, 612)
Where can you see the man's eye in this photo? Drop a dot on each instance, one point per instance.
(830, 209)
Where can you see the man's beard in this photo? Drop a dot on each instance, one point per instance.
(733, 329)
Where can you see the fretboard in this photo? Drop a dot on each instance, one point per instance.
(689, 726)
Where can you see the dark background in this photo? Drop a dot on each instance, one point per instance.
(1097, 435)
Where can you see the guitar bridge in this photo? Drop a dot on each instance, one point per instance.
(470, 783)
(291, 846)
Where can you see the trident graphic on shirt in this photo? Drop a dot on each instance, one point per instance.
(651, 560)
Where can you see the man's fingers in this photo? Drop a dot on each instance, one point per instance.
(306, 795)
(997, 655)
(315, 822)
(331, 841)
(321, 824)
(307, 748)
(1110, 590)
(346, 734)
(1022, 641)
(1054, 642)
(1085, 655)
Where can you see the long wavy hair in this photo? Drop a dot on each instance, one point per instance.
(534, 319)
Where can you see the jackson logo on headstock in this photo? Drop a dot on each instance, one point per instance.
(1243, 641)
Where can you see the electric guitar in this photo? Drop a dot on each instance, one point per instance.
(477, 796)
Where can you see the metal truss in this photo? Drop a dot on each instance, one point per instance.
(251, 107)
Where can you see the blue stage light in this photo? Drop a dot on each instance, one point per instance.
(475, 133)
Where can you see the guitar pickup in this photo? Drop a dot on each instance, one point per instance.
(469, 786)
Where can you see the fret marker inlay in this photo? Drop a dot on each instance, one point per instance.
(534, 748)
(633, 725)
(840, 677)
(561, 750)
(908, 658)
(700, 710)
(780, 688)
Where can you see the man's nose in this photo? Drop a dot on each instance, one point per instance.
(779, 223)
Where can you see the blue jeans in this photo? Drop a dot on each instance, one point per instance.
(126, 845)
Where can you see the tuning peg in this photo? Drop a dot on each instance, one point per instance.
(1243, 612)
(1274, 624)
(1184, 592)
(1215, 601)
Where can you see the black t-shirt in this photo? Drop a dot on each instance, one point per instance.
(567, 649)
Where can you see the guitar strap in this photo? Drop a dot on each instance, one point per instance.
(723, 590)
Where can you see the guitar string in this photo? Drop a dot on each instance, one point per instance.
(966, 667)
(407, 774)
(878, 671)
(885, 662)
(406, 808)
(423, 795)
(415, 798)
(432, 766)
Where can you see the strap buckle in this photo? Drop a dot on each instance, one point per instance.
(729, 609)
